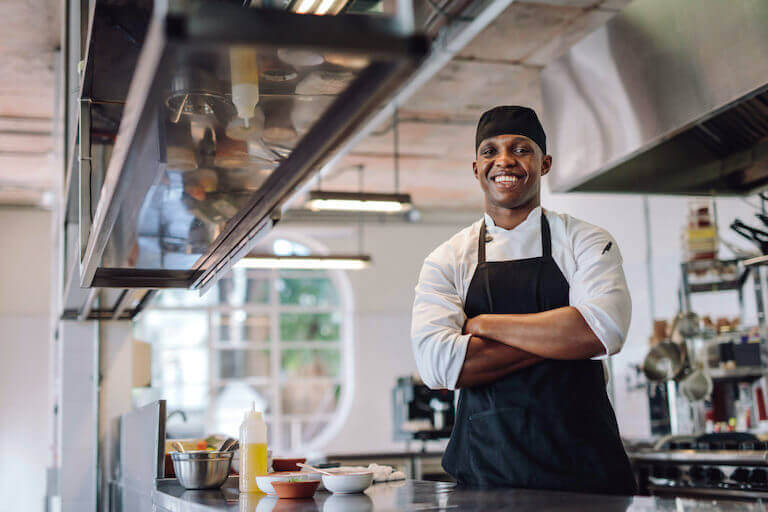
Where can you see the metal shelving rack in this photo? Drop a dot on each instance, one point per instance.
(687, 288)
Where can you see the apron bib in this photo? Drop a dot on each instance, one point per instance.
(549, 426)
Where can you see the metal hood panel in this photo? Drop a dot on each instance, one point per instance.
(669, 97)
(177, 186)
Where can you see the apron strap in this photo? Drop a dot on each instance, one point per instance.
(546, 238)
(480, 260)
(481, 244)
(546, 252)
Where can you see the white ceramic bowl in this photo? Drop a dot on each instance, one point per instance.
(348, 503)
(265, 482)
(348, 483)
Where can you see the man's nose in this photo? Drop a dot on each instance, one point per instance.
(505, 159)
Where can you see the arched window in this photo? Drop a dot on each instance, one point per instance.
(279, 338)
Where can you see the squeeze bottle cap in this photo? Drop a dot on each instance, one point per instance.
(253, 414)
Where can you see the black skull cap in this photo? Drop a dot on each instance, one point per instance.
(511, 120)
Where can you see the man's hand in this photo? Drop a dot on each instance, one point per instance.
(487, 361)
(472, 325)
(560, 333)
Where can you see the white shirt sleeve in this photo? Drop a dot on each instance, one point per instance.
(437, 322)
(599, 288)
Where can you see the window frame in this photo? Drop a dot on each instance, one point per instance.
(275, 345)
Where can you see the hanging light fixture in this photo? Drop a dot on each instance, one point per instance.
(283, 259)
(334, 262)
(322, 200)
(319, 7)
(358, 202)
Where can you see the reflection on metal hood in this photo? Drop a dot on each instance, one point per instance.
(669, 97)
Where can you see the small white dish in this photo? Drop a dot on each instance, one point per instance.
(348, 483)
(265, 482)
(348, 503)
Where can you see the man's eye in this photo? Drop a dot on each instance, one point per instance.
(521, 151)
(487, 151)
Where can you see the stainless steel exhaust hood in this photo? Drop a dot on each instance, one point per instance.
(669, 97)
(198, 123)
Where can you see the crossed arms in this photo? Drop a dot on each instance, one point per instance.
(503, 344)
(452, 351)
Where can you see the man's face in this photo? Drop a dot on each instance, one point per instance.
(509, 168)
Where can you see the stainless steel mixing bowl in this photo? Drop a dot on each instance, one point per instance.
(202, 469)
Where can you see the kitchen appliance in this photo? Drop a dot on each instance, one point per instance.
(421, 413)
(732, 464)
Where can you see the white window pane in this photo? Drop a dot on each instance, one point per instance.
(310, 363)
(310, 326)
(228, 336)
(184, 298)
(233, 364)
(311, 429)
(307, 291)
(309, 397)
(188, 396)
(242, 286)
(233, 400)
(238, 327)
(173, 328)
(180, 367)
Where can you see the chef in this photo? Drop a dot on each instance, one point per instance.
(516, 312)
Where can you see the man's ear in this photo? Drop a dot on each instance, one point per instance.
(474, 169)
(546, 164)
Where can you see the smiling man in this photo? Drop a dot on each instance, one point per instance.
(515, 311)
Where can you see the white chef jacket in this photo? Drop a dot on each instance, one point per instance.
(586, 255)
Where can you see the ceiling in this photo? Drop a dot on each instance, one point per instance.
(29, 38)
(436, 126)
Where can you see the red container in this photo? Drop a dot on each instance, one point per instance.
(281, 464)
(295, 490)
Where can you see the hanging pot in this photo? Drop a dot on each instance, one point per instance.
(696, 386)
(664, 362)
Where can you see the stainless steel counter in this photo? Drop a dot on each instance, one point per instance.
(742, 457)
(415, 495)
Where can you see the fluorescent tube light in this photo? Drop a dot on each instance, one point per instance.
(358, 202)
(304, 6)
(325, 6)
(320, 7)
(305, 262)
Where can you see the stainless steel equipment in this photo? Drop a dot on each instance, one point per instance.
(188, 152)
(667, 97)
(731, 464)
(421, 413)
(202, 469)
(664, 361)
(696, 386)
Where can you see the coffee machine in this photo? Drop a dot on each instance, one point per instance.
(421, 413)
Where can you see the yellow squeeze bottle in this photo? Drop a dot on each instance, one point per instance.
(253, 450)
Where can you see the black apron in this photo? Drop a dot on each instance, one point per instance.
(549, 426)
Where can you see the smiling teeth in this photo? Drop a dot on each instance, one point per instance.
(506, 179)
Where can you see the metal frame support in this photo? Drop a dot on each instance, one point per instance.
(758, 277)
(85, 311)
(84, 175)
